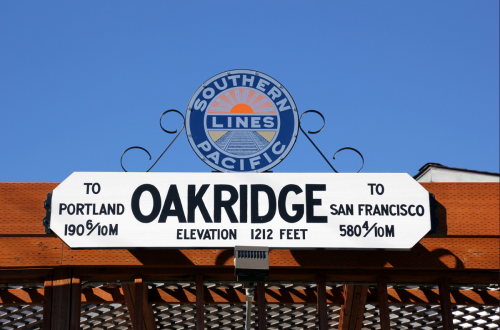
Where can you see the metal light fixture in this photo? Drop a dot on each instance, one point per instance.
(251, 266)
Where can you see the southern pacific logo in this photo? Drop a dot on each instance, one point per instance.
(242, 121)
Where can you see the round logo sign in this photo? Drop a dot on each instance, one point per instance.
(242, 121)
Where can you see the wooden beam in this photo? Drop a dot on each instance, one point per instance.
(462, 225)
(261, 306)
(128, 293)
(474, 297)
(47, 303)
(440, 253)
(148, 313)
(352, 311)
(444, 294)
(103, 296)
(321, 303)
(24, 275)
(383, 305)
(286, 296)
(76, 305)
(180, 274)
(22, 209)
(61, 299)
(200, 303)
(23, 296)
(136, 298)
(138, 303)
(445, 253)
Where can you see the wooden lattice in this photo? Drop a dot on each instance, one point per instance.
(232, 316)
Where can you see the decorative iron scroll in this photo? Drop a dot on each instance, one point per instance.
(315, 146)
(165, 130)
(300, 126)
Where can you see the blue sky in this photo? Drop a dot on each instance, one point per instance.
(405, 83)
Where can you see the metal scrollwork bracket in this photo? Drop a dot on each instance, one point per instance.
(165, 130)
(315, 146)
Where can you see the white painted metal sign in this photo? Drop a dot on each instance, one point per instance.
(221, 210)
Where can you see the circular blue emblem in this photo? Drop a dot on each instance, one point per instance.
(242, 121)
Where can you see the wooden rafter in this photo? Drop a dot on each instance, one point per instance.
(285, 296)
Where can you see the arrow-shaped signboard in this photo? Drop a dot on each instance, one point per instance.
(221, 210)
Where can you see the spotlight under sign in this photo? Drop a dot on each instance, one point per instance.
(278, 210)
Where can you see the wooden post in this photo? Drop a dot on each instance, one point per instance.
(200, 303)
(261, 306)
(383, 303)
(47, 303)
(444, 295)
(61, 299)
(352, 311)
(321, 306)
(76, 302)
(149, 315)
(138, 302)
(140, 310)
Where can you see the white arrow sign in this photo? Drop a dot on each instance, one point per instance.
(221, 210)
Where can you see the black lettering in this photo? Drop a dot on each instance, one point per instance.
(103, 210)
(420, 210)
(88, 205)
(333, 207)
(254, 206)
(403, 209)
(389, 231)
(196, 201)
(360, 208)
(172, 199)
(136, 196)
(62, 207)
(349, 209)
(93, 210)
(111, 209)
(227, 205)
(311, 202)
(384, 209)
(71, 209)
(376, 210)
(232, 233)
(390, 209)
(371, 187)
(298, 208)
(88, 187)
(79, 209)
(113, 231)
(207, 235)
(96, 188)
(368, 210)
(179, 233)
(381, 190)
(224, 234)
(243, 203)
(412, 214)
(121, 209)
